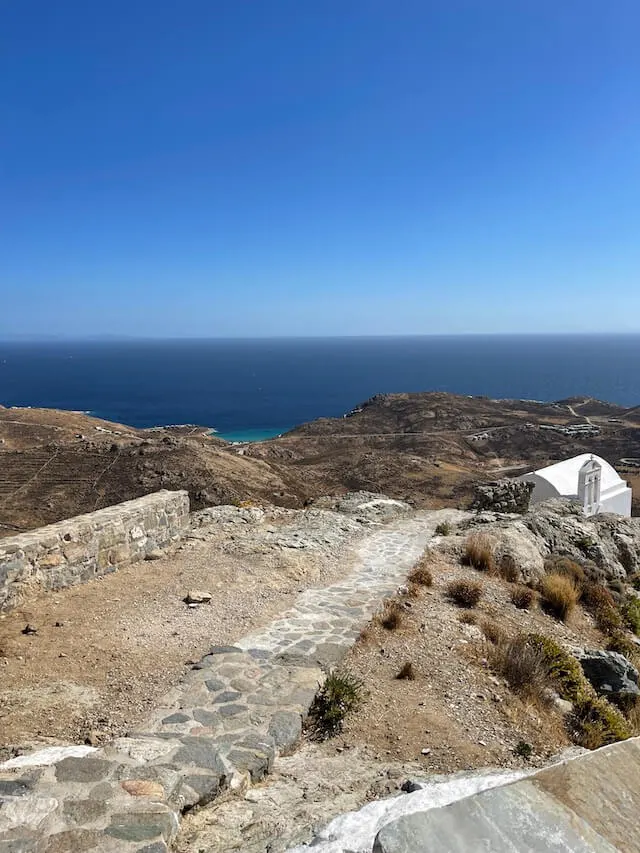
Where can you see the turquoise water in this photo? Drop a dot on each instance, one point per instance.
(251, 434)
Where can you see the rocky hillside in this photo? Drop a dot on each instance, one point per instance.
(428, 448)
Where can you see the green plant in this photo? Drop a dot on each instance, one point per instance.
(620, 642)
(585, 544)
(522, 597)
(558, 595)
(596, 722)
(464, 592)
(443, 529)
(478, 553)
(341, 694)
(406, 672)
(631, 613)
(523, 749)
(421, 576)
(562, 669)
(600, 603)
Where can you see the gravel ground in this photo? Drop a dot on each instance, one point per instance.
(105, 652)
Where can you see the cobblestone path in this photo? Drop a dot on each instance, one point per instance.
(222, 725)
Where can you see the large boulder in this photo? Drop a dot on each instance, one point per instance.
(610, 673)
(516, 548)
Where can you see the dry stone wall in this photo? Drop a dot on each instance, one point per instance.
(87, 546)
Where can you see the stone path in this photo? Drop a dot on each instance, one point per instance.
(221, 727)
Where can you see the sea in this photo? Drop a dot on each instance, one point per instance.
(250, 390)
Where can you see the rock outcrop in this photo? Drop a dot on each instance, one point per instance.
(608, 544)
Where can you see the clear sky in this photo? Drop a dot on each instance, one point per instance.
(318, 167)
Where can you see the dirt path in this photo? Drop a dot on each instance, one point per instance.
(105, 652)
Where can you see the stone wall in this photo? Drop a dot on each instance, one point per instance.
(87, 546)
(509, 496)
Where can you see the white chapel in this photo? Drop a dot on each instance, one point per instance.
(587, 479)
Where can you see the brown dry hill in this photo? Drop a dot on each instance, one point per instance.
(428, 448)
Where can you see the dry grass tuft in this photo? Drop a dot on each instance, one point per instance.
(421, 576)
(464, 592)
(392, 615)
(559, 595)
(555, 565)
(522, 665)
(508, 569)
(413, 590)
(523, 597)
(406, 672)
(495, 633)
(478, 553)
(365, 636)
(468, 617)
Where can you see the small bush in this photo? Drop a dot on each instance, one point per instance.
(523, 597)
(443, 529)
(634, 580)
(523, 749)
(631, 613)
(595, 723)
(522, 664)
(391, 616)
(600, 603)
(421, 576)
(508, 569)
(620, 642)
(493, 632)
(365, 635)
(406, 672)
(558, 595)
(468, 617)
(340, 694)
(413, 590)
(562, 669)
(478, 553)
(465, 593)
(567, 567)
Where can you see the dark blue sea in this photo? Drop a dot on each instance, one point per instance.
(252, 389)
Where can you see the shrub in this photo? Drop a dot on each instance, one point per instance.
(391, 616)
(465, 593)
(559, 595)
(365, 635)
(413, 590)
(634, 580)
(565, 566)
(523, 749)
(599, 602)
(522, 664)
(631, 613)
(620, 642)
(478, 553)
(508, 569)
(443, 529)
(493, 632)
(595, 723)
(406, 672)
(522, 597)
(340, 694)
(421, 576)
(562, 669)
(468, 617)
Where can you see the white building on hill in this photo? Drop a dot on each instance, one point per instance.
(587, 479)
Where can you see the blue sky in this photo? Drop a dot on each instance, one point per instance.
(292, 167)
